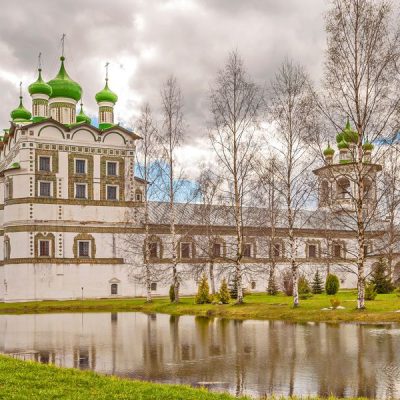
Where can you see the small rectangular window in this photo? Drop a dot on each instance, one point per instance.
(217, 250)
(276, 248)
(111, 168)
(153, 286)
(44, 248)
(114, 288)
(365, 250)
(185, 250)
(337, 250)
(44, 164)
(80, 166)
(44, 189)
(247, 250)
(80, 191)
(253, 284)
(111, 192)
(153, 250)
(312, 251)
(83, 248)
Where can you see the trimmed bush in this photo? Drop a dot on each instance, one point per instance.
(272, 286)
(370, 291)
(317, 286)
(332, 284)
(203, 291)
(223, 294)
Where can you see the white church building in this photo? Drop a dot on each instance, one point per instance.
(66, 187)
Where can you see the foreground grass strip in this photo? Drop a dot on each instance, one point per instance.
(257, 306)
(28, 380)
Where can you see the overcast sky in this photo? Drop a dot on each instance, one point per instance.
(145, 41)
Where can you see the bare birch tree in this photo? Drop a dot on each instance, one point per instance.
(171, 136)
(147, 165)
(362, 83)
(236, 103)
(292, 114)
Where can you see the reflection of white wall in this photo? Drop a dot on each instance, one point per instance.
(264, 356)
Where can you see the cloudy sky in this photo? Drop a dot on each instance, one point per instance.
(145, 41)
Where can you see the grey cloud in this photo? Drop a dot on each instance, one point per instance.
(190, 39)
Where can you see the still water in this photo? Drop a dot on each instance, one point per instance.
(242, 357)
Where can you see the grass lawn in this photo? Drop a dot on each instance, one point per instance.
(28, 380)
(257, 306)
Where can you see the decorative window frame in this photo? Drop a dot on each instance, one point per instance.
(160, 247)
(51, 191)
(84, 237)
(139, 193)
(117, 180)
(50, 157)
(316, 243)
(222, 242)
(45, 236)
(191, 242)
(281, 243)
(84, 241)
(117, 191)
(117, 162)
(86, 191)
(86, 166)
(342, 245)
(80, 178)
(253, 250)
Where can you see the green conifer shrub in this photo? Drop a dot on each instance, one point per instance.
(380, 277)
(332, 284)
(317, 285)
(287, 282)
(223, 294)
(304, 288)
(370, 291)
(203, 291)
(272, 286)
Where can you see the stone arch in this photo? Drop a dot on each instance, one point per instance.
(45, 128)
(109, 136)
(85, 131)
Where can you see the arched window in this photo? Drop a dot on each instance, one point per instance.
(114, 288)
(343, 188)
(324, 194)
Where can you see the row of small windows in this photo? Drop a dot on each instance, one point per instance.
(186, 250)
(80, 166)
(81, 190)
(83, 246)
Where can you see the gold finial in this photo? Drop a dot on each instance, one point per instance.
(62, 44)
(106, 66)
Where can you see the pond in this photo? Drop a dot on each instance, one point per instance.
(242, 357)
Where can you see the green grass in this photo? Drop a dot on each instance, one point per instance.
(28, 380)
(257, 306)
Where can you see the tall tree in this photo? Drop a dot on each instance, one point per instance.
(361, 82)
(292, 114)
(147, 165)
(171, 136)
(236, 103)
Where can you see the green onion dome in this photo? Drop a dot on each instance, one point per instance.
(106, 95)
(82, 117)
(20, 114)
(105, 125)
(343, 145)
(367, 146)
(63, 86)
(40, 86)
(329, 151)
(348, 134)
